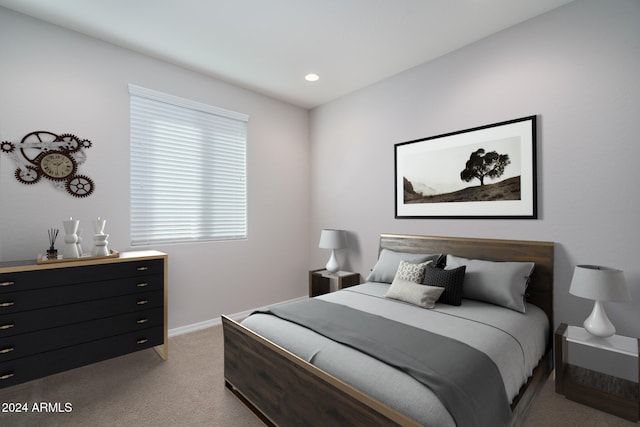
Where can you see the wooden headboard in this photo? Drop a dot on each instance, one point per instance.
(540, 289)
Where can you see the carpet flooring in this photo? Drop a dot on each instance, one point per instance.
(141, 390)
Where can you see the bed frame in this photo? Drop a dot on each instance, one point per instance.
(285, 390)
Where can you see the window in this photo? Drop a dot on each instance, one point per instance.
(188, 170)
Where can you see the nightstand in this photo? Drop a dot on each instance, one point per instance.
(320, 281)
(599, 390)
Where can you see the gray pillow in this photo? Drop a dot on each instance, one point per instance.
(388, 262)
(414, 293)
(500, 283)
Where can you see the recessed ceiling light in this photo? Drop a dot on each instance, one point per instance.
(311, 77)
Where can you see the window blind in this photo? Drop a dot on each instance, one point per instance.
(188, 170)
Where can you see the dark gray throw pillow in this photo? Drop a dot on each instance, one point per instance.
(450, 280)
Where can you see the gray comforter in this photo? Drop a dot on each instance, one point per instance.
(464, 379)
(513, 341)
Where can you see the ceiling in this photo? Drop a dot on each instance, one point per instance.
(270, 45)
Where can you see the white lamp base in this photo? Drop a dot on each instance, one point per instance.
(332, 265)
(598, 323)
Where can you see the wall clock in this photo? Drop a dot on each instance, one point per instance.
(56, 165)
(44, 154)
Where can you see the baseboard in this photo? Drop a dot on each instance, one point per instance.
(217, 321)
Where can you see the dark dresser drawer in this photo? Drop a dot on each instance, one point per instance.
(22, 345)
(28, 368)
(29, 321)
(13, 302)
(59, 316)
(60, 276)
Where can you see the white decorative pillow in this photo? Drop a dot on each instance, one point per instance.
(411, 272)
(500, 283)
(388, 262)
(414, 293)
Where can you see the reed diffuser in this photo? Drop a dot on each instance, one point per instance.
(52, 252)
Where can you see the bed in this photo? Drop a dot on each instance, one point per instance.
(286, 384)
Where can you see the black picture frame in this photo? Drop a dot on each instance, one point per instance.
(498, 160)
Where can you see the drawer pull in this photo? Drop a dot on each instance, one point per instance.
(143, 268)
(2, 284)
(142, 285)
(142, 302)
(141, 321)
(7, 326)
(6, 376)
(142, 341)
(6, 304)
(6, 350)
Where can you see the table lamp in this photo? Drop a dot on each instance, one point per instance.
(599, 284)
(333, 239)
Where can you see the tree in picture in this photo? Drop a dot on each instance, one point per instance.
(481, 165)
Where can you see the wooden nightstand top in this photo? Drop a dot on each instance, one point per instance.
(340, 273)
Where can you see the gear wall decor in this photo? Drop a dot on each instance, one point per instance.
(43, 154)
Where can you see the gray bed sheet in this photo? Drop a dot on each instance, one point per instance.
(514, 341)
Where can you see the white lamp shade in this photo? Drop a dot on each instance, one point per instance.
(599, 284)
(333, 239)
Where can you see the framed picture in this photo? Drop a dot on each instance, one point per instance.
(484, 172)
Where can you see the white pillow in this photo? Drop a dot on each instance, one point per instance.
(414, 293)
(500, 283)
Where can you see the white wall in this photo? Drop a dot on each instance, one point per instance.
(57, 80)
(578, 69)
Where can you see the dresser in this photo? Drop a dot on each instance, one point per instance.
(59, 316)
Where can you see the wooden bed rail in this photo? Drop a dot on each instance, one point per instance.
(283, 389)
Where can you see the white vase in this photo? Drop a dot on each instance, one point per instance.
(98, 229)
(70, 238)
(100, 242)
(79, 242)
(98, 226)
